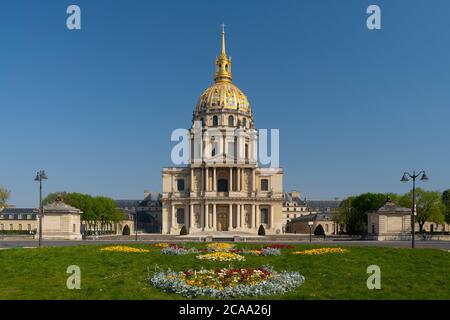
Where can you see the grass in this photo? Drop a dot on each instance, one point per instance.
(41, 273)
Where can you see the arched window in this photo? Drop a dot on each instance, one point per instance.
(230, 121)
(244, 122)
(203, 122)
(215, 121)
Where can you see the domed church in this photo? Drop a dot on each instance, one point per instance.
(222, 190)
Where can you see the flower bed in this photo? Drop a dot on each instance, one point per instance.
(321, 251)
(178, 251)
(270, 252)
(221, 256)
(124, 249)
(227, 283)
(219, 246)
(280, 246)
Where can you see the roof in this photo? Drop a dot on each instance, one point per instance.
(391, 207)
(127, 204)
(59, 206)
(18, 211)
(323, 204)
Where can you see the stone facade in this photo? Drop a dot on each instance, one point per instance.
(390, 222)
(61, 222)
(222, 189)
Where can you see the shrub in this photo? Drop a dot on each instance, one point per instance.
(126, 231)
(261, 231)
(319, 231)
(183, 231)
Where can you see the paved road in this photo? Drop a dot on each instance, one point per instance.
(444, 245)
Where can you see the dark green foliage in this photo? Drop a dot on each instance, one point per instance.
(261, 231)
(318, 231)
(446, 201)
(183, 231)
(126, 230)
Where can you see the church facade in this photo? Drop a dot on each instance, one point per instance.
(222, 189)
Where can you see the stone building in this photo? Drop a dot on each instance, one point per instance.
(293, 207)
(20, 220)
(390, 222)
(301, 225)
(222, 189)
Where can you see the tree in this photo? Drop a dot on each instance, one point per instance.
(352, 212)
(261, 231)
(446, 202)
(319, 231)
(4, 197)
(183, 231)
(126, 230)
(429, 206)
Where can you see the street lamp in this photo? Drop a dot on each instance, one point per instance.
(310, 223)
(40, 176)
(135, 225)
(405, 178)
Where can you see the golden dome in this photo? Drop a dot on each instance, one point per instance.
(223, 94)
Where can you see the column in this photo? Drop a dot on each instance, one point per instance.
(230, 216)
(271, 217)
(243, 217)
(238, 182)
(206, 216)
(191, 216)
(207, 179)
(214, 218)
(257, 216)
(214, 179)
(253, 180)
(192, 180)
(172, 223)
(187, 222)
(238, 215)
(231, 179)
(202, 216)
(253, 217)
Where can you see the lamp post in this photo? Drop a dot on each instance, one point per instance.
(310, 223)
(405, 178)
(40, 176)
(135, 227)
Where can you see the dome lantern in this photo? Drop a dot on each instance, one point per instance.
(223, 63)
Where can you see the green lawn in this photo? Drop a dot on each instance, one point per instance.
(41, 273)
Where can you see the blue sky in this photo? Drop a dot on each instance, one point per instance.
(95, 108)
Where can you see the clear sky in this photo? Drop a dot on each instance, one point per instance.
(95, 108)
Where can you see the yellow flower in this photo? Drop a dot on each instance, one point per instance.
(321, 251)
(220, 246)
(221, 256)
(123, 249)
(161, 245)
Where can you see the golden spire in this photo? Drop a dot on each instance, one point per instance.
(223, 41)
(223, 63)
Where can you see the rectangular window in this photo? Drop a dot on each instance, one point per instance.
(28, 216)
(230, 149)
(264, 185)
(19, 217)
(180, 215)
(180, 184)
(264, 215)
(2, 217)
(11, 217)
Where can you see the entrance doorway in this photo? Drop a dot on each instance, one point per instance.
(222, 218)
